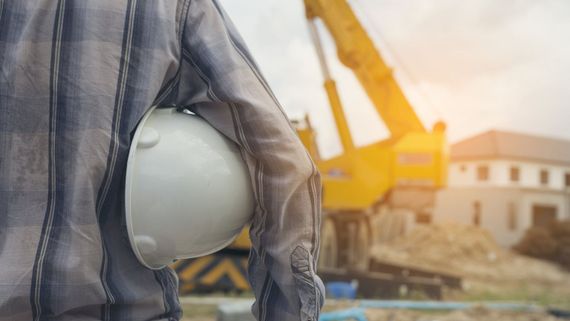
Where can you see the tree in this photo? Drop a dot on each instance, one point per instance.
(551, 243)
(537, 242)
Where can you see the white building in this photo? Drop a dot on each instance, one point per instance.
(506, 182)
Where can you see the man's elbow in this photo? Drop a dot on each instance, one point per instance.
(307, 171)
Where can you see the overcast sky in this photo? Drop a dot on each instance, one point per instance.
(476, 64)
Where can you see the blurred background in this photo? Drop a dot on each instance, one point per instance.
(440, 129)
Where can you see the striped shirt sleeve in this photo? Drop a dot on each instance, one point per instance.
(220, 81)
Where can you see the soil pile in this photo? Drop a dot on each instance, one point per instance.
(467, 251)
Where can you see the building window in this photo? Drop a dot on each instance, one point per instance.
(544, 177)
(423, 217)
(476, 213)
(483, 173)
(567, 180)
(512, 220)
(515, 174)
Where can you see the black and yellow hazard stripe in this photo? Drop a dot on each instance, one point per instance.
(217, 272)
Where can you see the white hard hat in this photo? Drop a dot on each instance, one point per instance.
(187, 191)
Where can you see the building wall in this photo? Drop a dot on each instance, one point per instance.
(500, 197)
(464, 173)
(456, 204)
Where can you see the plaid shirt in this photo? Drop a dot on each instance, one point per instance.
(75, 78)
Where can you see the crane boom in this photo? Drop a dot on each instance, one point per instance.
(356, 50)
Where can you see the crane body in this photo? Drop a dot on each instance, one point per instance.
(371, 193)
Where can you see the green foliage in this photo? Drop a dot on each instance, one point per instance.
(522, 292)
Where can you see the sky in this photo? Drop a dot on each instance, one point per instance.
(476, 64)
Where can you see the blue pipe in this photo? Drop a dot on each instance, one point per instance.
(436, 305)
(348, 314)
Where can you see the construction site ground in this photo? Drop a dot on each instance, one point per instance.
(489, 273)
(195, 309)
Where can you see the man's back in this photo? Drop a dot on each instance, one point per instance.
(75, 78)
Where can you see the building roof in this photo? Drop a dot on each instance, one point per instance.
(496, 144)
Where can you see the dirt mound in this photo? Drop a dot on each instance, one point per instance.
(468, 251)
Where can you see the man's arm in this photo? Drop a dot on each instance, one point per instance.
(220, 81)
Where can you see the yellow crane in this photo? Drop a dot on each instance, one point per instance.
(371, 193)
(375, 192)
